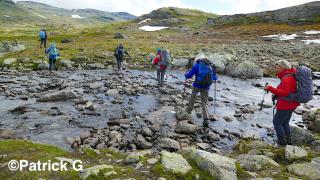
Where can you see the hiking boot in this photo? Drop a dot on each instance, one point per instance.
(282, 141)
(288, 138)
(205, 123)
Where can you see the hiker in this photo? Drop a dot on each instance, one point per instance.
(53, 55)
(119, 55)
(43, 38)
(205, 75)
(162, 61)
(284, 107)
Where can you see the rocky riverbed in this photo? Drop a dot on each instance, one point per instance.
(126, 111)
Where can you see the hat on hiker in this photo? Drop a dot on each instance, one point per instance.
(200, 56)
(158, 49)
(284, 64)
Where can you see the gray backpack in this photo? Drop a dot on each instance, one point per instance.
(304, 86)
(165, 58)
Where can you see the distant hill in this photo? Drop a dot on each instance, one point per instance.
(28, 11)
(302, 14)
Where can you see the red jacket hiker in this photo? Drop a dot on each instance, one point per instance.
(156, 61)
(287, 86)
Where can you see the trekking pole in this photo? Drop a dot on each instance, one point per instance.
(215, 97)
(265, 93)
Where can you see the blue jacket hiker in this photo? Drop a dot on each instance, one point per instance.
(43, 38)
(205, 75)
(53, 55)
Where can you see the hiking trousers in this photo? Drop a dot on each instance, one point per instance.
(204, 101)
(160, 76)
(52, 64)
(44, 42)
(119, 61)
(282, 127)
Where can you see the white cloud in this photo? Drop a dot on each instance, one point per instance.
(136, 7)
(249, 6)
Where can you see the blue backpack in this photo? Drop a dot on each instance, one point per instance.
(205, 73)
(304, 86)
(42, 34)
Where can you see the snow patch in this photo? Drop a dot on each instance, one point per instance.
(144, 21)
(282, 37)
(7, 16)
(43, 17)
(314, 41)
(152, 28)
(75, 16)
(312, 32)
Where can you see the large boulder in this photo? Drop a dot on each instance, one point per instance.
(181, 62)
(294, 153)
(174, 163)
(186, 128)
(220, 167)
(14, 47)
(313, 119)
(9, 61)
(220, 61)
(136, 156)
(7, 134)
(300, 136)
(118, 36)
(309, 170)
(43, 66)
(256, 162)
(141, 142)
(58, 96)
(244, 69)
(66, 63)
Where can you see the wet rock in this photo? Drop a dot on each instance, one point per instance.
(94, 170)
(141, 142)
(136, 156)
(58, 96)
(294, 153)
(169, 144)
(213, 136)
(84, 135)
(7, 134)
(186, 128)
(66, 63)
(256, 162)
(174, 163)
(220, 167)
(112, 92)
(183, 115)
(146, 131)
(95, 66)
(309, 170)
(300, 136)
(244, 70)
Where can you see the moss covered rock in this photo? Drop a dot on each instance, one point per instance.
(174, 163)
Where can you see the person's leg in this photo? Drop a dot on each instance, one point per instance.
(54, 64)
(204, 103)
(163, 72)
(118, 64)
(192, 99)
(50, 64)
(286, 126)
(277, 122)
(158, 77)
(41, 43)
(45, 43)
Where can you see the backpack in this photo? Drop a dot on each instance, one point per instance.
(205, 73)
(53, 52)
(304, 92)
(42, 34)
(165, 58)
(119, 52)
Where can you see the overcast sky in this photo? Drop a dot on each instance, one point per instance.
(139, 7)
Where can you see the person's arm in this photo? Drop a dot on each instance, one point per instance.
(47, 50)
(283, 89)
(192, 72)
